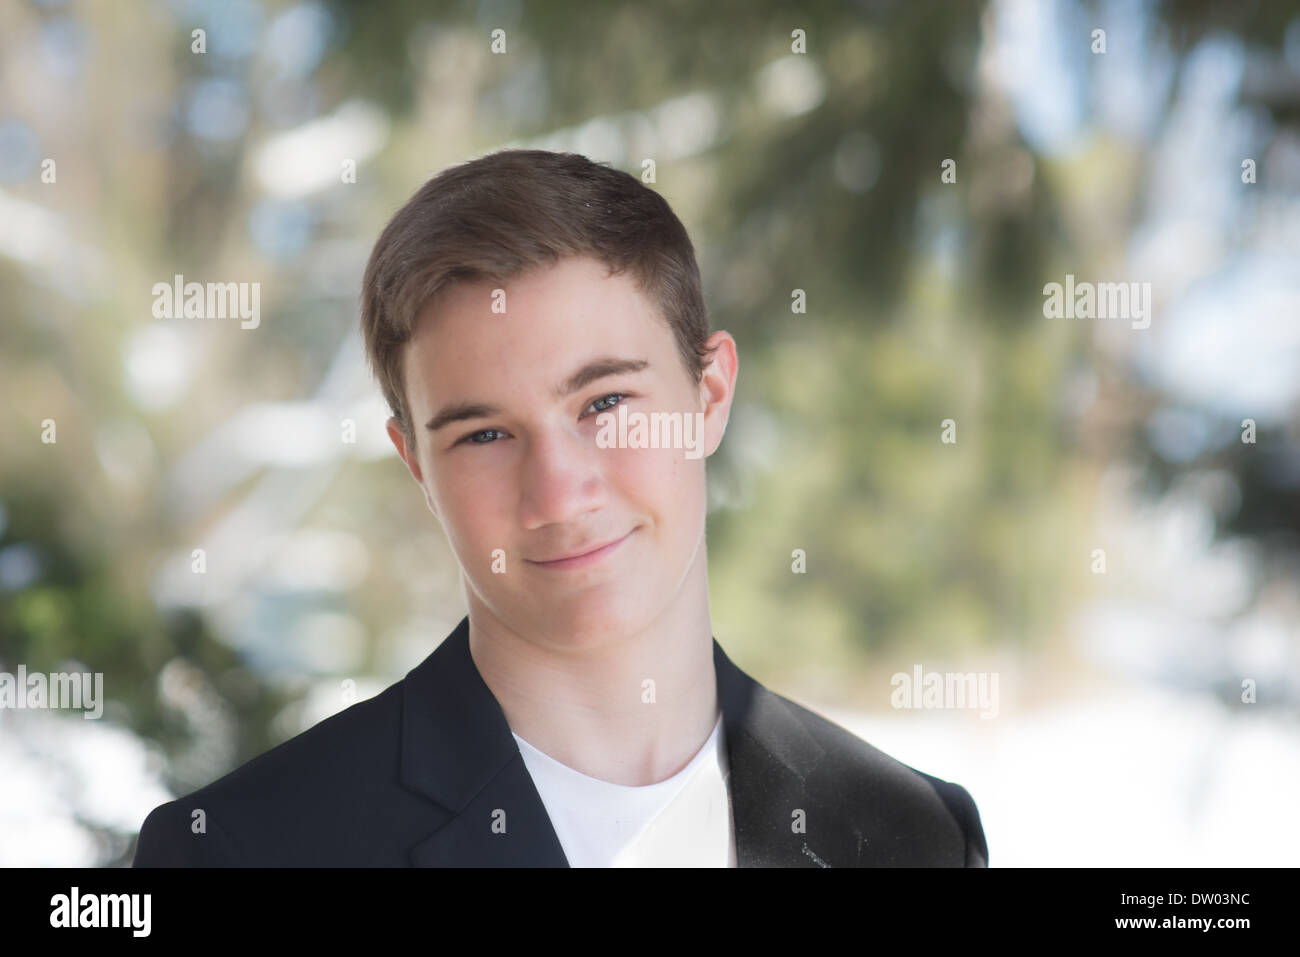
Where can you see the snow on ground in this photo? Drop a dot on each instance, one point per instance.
(1138, 778)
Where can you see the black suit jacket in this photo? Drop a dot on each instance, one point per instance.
(417, 775)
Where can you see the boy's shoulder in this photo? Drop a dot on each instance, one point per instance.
(302, 793)
(902, 808)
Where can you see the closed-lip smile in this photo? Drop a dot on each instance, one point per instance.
(582, 558)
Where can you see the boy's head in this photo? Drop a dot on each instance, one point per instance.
(507, 213)
(508, 304)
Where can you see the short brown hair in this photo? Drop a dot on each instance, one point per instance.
(497, 217)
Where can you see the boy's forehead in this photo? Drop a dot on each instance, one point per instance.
(550, 315)
(575, 297)
(572, 278)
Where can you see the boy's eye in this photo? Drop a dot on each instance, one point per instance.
(473, 437)
(613, 395)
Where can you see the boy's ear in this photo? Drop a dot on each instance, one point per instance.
(410, 456)
(718, 388)
(398, 438)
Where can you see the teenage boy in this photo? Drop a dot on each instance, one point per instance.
(537, 325)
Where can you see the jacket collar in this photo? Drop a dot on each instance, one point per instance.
(457, 751)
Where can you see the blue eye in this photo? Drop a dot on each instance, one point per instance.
(613, 395)
(473, 436)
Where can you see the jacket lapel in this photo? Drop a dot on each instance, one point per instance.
(457, 751)
(781, 818)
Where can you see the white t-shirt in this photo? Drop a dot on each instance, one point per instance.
(684, 821)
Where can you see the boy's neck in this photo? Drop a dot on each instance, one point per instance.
(633, 711)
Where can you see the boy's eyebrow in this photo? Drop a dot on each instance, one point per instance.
(596, 369)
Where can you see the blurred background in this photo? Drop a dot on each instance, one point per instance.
(1099, 536)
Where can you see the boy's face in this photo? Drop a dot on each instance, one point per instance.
(519, 480)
